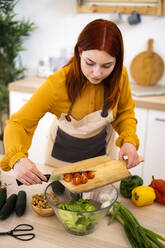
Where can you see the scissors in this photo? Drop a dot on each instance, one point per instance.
(16, 232)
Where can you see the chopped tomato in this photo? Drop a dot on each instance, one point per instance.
(77, 180)
(79, 177)
(76, 174)
(68, 177)
(84, 173)
(84, 178)
(91, 174)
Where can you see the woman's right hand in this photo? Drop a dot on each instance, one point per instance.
(27, 173)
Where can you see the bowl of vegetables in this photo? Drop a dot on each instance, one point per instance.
(80, 214)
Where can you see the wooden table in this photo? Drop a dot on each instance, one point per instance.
(51, 234)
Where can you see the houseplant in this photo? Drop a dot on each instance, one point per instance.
(13, 32)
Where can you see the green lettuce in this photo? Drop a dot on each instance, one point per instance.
(79, 222)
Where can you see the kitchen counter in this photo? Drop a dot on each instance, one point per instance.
(50, 233)
(29, 85)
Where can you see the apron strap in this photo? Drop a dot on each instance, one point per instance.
(104, 112)
(67, 117)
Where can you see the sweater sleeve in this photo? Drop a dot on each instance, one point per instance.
(124, 116)
(20, 128)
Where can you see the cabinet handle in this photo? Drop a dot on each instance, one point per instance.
(159, 119)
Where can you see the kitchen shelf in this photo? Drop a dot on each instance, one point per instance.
(143, 7)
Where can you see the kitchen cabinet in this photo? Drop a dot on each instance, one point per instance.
(154, 146)
(36, 152)
(150, 130)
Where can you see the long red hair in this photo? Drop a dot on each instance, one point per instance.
(102, 35)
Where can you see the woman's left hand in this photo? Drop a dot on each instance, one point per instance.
(129, 150)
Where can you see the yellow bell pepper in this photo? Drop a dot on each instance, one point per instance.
(143, 195)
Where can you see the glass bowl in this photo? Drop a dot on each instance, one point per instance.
(81, 222)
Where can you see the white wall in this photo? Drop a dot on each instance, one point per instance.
(59, 25)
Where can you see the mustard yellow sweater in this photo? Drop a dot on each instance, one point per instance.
(52, 97)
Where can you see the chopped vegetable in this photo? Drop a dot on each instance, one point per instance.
(77, 221)
(79, 177)
(138, 236)
(128, 184)
(159, 186)
(77, 205)
(143, 195)
(77, 180)
(84, 178)
(76, 174)
(90, 174)
(84, 173)
(68, 177)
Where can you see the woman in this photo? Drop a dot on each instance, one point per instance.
(90, 97)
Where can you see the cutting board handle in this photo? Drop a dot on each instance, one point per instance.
(150, 46)
(141, 159)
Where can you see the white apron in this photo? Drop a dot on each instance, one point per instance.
(90, 125)
(89, 129)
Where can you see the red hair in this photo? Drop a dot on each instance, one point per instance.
(101, 35)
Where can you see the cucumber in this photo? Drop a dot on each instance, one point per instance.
(3, 197)
(8, 207)
(20, 203)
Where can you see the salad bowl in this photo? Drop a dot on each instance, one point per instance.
(80, 214)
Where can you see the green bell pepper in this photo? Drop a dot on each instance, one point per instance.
(128, 184)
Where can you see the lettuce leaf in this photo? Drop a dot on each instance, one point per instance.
(79, 223)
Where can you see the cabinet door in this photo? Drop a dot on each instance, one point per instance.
(141, 116)
(154, 147)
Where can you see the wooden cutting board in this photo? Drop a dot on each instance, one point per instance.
(107, 170)
(147, 67)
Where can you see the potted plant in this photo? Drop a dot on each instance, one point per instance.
(12, 35)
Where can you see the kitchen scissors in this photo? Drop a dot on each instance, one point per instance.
(16, 232)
